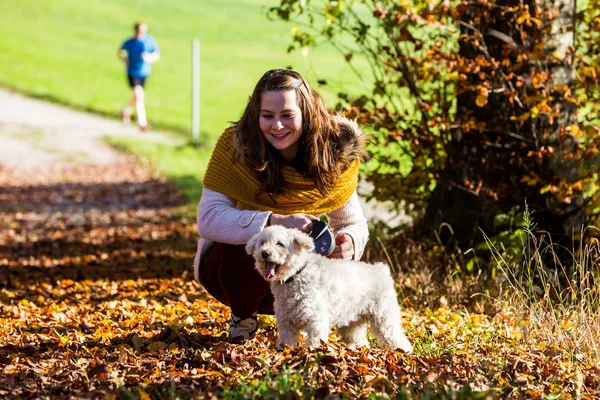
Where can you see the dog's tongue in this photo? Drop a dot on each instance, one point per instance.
(269, 269)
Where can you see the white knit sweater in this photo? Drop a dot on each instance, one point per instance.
(221, 220)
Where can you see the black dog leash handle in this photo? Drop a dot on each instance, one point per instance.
(322, 237)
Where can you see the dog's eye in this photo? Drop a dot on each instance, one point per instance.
(263, 242)
(280, 244)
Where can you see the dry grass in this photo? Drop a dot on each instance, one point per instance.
(556, 302)
(561, 303)
(514, 313)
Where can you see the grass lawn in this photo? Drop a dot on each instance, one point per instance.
(66, 51)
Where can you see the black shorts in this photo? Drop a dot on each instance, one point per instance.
(133, 81)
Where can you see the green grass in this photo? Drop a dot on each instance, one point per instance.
(302, 384)
(66, 51)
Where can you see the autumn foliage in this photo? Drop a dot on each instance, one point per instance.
(97, 301)
(477, 107)
(97, 298)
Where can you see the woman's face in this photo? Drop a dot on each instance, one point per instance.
(281, 121)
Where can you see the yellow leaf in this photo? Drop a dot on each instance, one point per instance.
(531, 180)
(522, 117)
(63, 341)
(545, 189)
(143, 395)
(536, 21)
(482, 97)
(522, 18)
(576, 131)
(11, 369)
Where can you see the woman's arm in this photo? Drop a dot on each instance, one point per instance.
(220, 221)
(350, 219)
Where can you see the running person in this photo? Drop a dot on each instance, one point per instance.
(138, 53)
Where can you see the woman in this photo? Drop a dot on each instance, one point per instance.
(285, 162)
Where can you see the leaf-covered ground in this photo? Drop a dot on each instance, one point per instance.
(97, 300)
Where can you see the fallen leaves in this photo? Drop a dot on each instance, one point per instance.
(96, 300)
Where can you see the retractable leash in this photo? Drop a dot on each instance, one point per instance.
(323, 238)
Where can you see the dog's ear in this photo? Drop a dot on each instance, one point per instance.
(251, 244)
(302, 241)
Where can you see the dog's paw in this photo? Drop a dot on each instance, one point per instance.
(407, 349)
(359, 345)
(405, 345)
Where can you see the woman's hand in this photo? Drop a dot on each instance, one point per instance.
(344, 247)
(299, 221)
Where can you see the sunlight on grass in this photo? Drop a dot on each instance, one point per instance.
(66, 51)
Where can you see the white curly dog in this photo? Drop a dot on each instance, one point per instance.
(314, 293)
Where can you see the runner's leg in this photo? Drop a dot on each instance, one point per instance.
(140, 107)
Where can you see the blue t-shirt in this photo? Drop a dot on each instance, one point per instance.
(135, 47)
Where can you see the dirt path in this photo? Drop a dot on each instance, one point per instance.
(35, 133)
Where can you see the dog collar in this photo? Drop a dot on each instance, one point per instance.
(291, 278)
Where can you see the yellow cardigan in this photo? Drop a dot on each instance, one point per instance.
(241, 183)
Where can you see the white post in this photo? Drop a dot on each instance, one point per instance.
(196, 90)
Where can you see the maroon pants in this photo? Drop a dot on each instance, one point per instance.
(227, 273)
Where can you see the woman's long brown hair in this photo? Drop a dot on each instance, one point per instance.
(319, 142)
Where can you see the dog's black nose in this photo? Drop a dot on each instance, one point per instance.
(265, 254)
